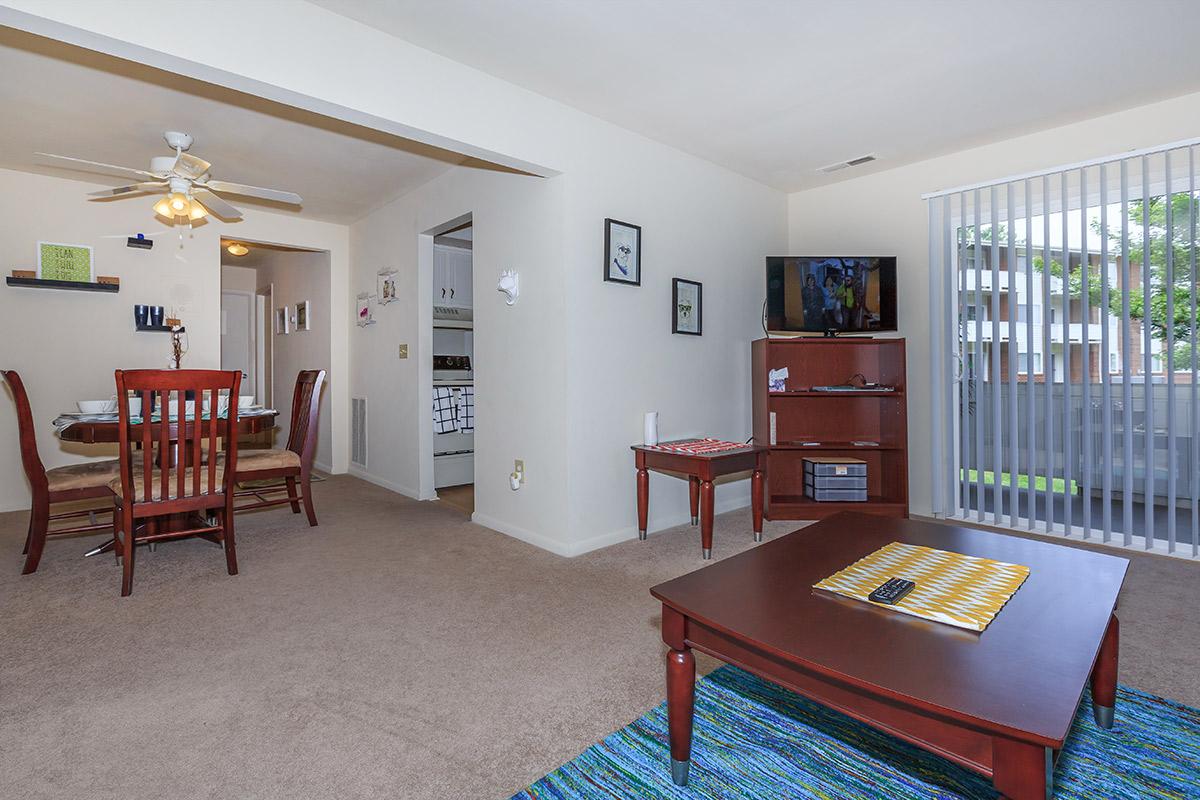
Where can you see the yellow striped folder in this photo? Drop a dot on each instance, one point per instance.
(959, 590)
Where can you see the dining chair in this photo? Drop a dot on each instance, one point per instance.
(174, 494)
(49, 487)
(291, 463)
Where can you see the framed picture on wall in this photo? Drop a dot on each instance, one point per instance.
(622, 252)
(65, 262)
(387, 287)
(687, 306)
(364, 317)
(283, 325)
(303, 323)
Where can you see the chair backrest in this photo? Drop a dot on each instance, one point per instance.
(172, 387)
(306, 408)
(26, 436)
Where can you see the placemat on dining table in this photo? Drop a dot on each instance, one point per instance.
(959, 590)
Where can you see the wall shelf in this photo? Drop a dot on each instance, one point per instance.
(77, 286)
(157, 328)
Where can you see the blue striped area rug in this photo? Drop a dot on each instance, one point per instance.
(753, 739)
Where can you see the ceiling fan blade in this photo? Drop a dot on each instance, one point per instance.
(190, 166)
(216, 205)
(136, 188)
(255, 191)
(96, 166)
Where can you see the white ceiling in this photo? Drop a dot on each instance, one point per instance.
(65, 100)
(775, 89)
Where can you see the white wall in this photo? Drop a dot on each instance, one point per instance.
(66, 344)
(883, 214)
(296, 277)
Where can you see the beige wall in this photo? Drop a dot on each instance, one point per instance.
(883, 214)
(66, 344)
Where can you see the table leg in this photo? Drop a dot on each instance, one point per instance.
(706, 518)
(694, 492)
(681, 696)
(643, 500)
(756, 503)
(1104, 676)
(1022, 771)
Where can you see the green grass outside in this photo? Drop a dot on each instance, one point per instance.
(1039, 481)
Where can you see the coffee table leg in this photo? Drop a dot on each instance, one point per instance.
(681, 697)
(756, 503)
(1104, 676)
(706, 518)
(694, 496)
(643, 500)
(1022, 771)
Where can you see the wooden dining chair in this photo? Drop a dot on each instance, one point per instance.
(164, 497)
(49, 487)
(291, 464)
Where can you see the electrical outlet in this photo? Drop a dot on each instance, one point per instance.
(519, 468)
(404, 351)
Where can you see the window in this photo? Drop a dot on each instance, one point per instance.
(1067, 450)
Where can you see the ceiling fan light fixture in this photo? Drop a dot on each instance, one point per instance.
(196, 212)
(179, 204)
(163, 209)
(236, 249)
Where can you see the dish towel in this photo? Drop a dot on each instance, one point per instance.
(466, 409)
(445, 410)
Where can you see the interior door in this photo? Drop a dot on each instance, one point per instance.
(237, 334)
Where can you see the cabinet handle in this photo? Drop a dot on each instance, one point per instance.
(451, 294)
(443, 292)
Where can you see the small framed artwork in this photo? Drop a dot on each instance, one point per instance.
(364, 317)
(687, 302)
(283, 324)
(387, 287)
(622, 252)
(65, 262)
(303, 323)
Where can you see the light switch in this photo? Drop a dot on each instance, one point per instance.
(404, 351)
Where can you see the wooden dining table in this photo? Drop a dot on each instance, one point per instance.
(106, 429)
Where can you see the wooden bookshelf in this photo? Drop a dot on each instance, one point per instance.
(830, 423)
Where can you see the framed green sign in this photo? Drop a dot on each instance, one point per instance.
(65, 262)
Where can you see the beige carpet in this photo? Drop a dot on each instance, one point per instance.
(397, 651)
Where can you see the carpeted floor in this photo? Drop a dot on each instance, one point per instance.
(395, 651)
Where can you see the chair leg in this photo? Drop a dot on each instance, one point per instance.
(306, 484)
(293, 494)
(116, 532)
(129, 548)
(228, 537)
(39, 523)
(28, 536)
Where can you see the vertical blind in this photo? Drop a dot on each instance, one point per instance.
(1064, 355)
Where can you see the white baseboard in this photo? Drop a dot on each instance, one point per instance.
(328, 470)
(572, 549)
(358, 472)
(535, 539)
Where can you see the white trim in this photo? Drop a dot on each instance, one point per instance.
(358, 472)
(1146, 151)
(572, 549)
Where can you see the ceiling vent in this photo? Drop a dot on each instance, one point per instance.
(854, 162)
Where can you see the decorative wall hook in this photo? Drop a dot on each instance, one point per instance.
(510, 285)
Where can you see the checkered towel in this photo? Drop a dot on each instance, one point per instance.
(466, 409)
(445, 410)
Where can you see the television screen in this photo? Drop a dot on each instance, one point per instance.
(843, 294)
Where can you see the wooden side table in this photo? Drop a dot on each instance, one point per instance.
(701, 469)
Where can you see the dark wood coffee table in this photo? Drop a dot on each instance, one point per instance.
(1000, 702)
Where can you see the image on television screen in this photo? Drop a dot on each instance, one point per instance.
(835, 294)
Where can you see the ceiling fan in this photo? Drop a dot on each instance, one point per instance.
(184, 178)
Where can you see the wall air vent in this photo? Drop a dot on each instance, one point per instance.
(854, 162)
(358, 431)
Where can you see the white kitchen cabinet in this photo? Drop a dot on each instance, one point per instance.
(452, 276)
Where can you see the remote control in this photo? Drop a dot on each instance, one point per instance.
(891, 592)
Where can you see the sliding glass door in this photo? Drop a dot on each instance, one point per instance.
(1064, 343)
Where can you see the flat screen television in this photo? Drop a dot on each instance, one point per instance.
(845, 294)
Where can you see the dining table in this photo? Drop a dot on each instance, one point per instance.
(104, 428)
